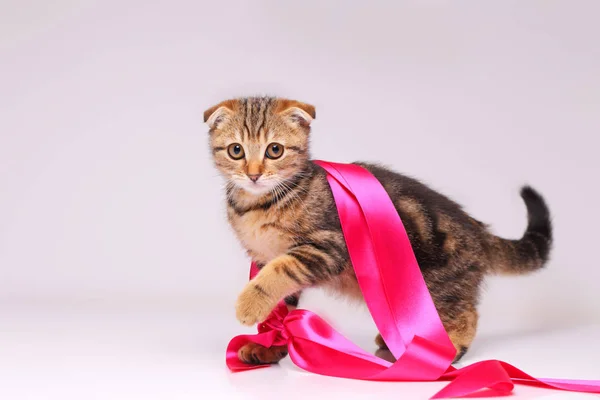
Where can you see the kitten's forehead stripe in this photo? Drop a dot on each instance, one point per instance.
(244, 129)
(253, 118)
(263, 114)
(248, 118)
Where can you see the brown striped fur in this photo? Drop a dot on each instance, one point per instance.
(288, 223)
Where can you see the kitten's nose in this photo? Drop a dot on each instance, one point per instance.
(254, 177)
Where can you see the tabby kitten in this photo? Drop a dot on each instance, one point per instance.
(280, 205)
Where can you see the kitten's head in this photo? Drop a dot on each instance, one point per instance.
(259, 143)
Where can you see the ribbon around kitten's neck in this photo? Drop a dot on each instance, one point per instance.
(401, 306)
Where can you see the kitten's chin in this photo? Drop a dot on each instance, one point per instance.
(255, 189)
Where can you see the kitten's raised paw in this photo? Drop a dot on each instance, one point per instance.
(253, 305)
(256, 354)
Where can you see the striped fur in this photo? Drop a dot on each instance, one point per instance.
(288, 223)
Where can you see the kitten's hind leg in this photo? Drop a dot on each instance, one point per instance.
(461, 332)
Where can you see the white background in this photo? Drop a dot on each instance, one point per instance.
(118, 273)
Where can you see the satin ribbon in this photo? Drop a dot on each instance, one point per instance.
(399, 302)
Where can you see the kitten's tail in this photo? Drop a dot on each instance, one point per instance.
(532, 251)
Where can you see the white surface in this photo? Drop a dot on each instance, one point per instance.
(58, 352)
(114, 252)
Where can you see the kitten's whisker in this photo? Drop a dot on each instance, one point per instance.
(294, 195)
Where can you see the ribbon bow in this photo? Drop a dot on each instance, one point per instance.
(399, 301)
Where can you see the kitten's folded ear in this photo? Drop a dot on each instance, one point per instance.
(219, 112)
(298, 112)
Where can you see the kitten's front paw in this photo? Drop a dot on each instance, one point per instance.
(253, 305)
(253, 353)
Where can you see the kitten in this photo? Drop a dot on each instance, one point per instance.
(280, 206)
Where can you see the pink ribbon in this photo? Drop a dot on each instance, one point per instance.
(399, 301)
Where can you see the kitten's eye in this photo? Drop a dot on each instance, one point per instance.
(274, 151)
(235, 151)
